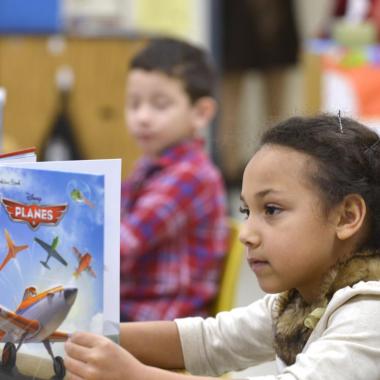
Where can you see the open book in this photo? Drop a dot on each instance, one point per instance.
(59, 259)
(24, 155)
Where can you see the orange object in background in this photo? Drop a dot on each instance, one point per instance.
(366, 84)
(359, 76)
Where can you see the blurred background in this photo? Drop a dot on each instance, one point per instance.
(63, 65)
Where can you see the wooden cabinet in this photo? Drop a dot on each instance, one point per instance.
(28, 67)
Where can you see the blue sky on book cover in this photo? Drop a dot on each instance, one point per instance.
(63, 211)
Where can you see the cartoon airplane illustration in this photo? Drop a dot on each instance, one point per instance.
(13, 249)
(36, 320)
(51, 251)
(77, 196)
(84, 263)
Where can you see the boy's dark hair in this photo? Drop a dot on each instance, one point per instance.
(347, 156)
(181, 60)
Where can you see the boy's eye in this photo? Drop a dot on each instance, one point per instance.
(272, 210)
(161, 103)
(133, 103)
(244, 210)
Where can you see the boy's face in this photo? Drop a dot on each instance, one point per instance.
(290, 242)
(158, 111)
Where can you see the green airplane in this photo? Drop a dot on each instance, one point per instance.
(77, 196)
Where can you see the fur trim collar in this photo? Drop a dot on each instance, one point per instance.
(294, 319)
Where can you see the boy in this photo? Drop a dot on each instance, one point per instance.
(173, 217)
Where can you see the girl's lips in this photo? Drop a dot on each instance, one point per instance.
(258, 265)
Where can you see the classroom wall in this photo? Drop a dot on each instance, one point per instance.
(28, 67)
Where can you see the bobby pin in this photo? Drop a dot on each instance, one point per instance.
(373, 146)
(340, 122)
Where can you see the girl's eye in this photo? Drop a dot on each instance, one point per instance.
(272, 210)
(244, 210)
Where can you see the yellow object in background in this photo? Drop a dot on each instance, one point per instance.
(354, 34)
(225, 299)
(171, 17)
(9, 144)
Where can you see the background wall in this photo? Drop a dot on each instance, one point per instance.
(28, 67)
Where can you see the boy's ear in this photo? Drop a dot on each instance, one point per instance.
(351, 216)
(204, 110)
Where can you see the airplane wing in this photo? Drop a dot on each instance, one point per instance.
(91, 271)
(8, 238)
(58, 257)
(77, 254)
(5, 261)
(50, 251)
(58, 336)
(44, 245)
(10, 243)
(13, 326)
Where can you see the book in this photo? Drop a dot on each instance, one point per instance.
(23, 155)
(59, 260)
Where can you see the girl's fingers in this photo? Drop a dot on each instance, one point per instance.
(71, 376)
(76, 351)
(84, 339)
(76, 369)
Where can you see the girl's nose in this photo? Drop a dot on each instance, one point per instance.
(249, 235)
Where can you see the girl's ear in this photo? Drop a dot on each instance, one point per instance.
(351, 216)
(204, 110)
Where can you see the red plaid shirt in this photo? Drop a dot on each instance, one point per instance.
(174, 235)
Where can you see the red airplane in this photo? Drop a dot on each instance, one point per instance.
(13, 249)
(84, 263)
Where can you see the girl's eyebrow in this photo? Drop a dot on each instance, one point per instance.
(262, 194)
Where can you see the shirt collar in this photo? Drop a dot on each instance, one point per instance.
(176, 152)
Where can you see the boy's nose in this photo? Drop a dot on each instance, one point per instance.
(249, 235)
(143, 114)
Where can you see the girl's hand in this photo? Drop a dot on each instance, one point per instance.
(95, 357)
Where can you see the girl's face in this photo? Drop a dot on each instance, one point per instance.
(290, 243)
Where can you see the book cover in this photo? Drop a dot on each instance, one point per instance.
(57, 265)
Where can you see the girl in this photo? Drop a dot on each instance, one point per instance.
(311, 197)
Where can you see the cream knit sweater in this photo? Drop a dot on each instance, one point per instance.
(345, 344)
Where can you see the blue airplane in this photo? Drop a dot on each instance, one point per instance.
(51, 251)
